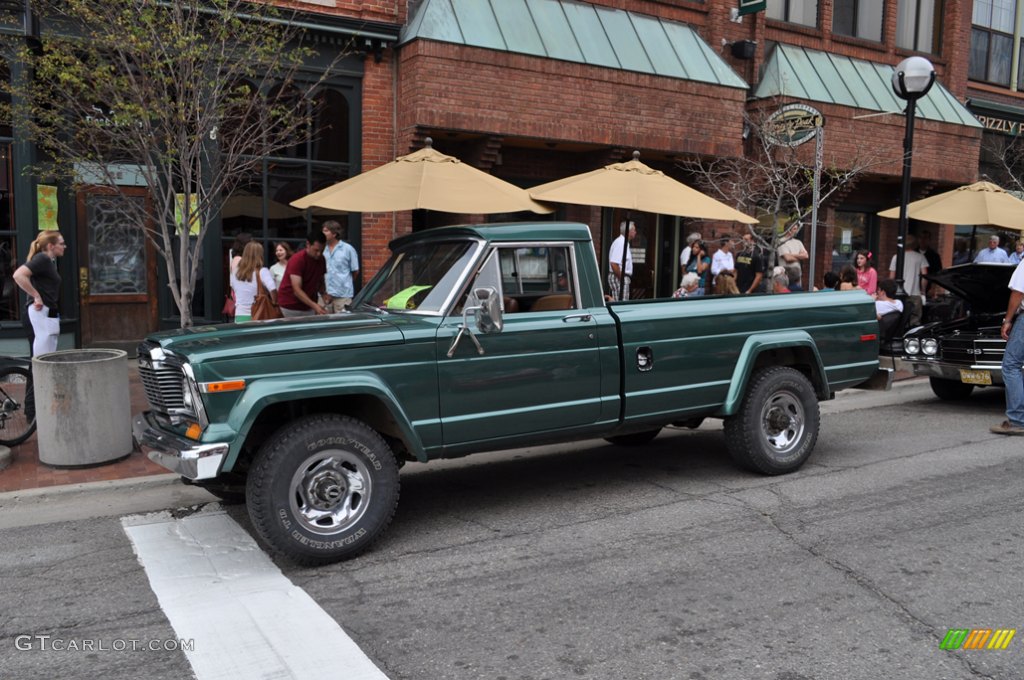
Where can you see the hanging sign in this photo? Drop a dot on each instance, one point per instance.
(792, 125)
(751, 6)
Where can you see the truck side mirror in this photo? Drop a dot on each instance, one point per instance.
(488, 311)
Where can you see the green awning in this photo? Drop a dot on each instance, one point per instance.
(823, 77)
(574, 31)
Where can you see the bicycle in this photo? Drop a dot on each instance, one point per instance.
(17, 402)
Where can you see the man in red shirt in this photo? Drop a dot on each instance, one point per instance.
(303, 279)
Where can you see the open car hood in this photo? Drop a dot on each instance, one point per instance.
(982, 285)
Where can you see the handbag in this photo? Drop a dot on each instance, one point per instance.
(228, 310)
(263, 307)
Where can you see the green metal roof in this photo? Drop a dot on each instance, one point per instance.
(573, 31)
(822, 77)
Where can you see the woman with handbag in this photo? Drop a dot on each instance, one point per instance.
(247, 280)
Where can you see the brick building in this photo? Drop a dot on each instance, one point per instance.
(535, 90)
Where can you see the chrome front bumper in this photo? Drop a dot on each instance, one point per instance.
(182, 456)
(937, 369)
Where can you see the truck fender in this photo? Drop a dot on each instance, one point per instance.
(754, 346)
(263, 392)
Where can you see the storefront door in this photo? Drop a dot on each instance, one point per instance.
(117, 270)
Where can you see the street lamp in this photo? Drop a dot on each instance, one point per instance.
(911, 80)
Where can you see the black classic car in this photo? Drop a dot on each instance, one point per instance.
(965, 352)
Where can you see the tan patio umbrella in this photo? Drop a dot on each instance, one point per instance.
(978, 203)
(248, 205)
(635, 186)
(424, 179)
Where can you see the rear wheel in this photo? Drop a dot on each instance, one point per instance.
(776, 427)
(950, 390)
(323, 489)
(17, 412)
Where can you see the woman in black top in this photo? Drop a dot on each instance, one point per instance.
(39, 278)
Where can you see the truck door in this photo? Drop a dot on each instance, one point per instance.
(542, 371)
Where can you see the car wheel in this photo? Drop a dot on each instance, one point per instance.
(950, 390)
(776, 426)
(323, 489)
(634, 438)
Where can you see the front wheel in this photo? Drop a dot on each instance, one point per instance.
(323, 489)
(777, 425)
(950, 390)
(17, 412)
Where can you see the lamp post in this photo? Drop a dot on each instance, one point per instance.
(911, 80)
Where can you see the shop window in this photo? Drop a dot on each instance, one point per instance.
(919, 25)
(10, 310)
(803, 12)
(853, 232)
(858, 18)
(991, 55)
(331, 136)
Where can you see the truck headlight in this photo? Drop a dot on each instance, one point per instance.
(911, 345)
(930, 346)
(190, 396)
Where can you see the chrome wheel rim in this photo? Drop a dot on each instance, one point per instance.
(330, 491)
(783, 422)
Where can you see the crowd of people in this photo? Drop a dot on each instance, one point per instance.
(742, 267)
(318, 279)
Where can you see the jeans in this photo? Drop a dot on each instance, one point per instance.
(1013, 359)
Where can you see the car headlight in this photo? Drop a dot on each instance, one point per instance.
(930, 346)
(911, 345)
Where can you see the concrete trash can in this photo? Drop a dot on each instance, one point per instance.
(83, 407)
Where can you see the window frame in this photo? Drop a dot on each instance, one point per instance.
(938, 10)
(787, 13)
(857, 7)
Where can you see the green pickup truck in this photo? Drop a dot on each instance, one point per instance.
(480, 338)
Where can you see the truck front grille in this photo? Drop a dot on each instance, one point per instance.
(162, 382)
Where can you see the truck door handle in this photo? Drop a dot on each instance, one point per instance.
(582, 318)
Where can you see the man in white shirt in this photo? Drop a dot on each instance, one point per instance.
(915, 265)
(791, 251)
(993, 253)
(615, 254)
(885, 299)
(723, 261)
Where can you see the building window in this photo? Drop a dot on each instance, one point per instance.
(992, 41)
(260, 205)
(804, 12)
(859, 18)
(919, 25)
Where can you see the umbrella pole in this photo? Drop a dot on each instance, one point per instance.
(622, 267)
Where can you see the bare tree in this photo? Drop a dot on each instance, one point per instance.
(190, 94)
(775, 181)
(1002, 161)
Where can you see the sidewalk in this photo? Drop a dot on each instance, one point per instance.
(26, 472)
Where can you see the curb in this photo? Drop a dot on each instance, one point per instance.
(137, 483)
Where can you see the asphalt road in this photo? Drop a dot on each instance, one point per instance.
(597, 561)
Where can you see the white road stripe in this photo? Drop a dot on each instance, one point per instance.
(218, 588)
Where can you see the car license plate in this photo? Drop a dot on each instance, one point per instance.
(972, 377)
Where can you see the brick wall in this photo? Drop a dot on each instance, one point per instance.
(463, 88)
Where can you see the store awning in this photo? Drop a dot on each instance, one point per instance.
(816, 76)
(576, 32)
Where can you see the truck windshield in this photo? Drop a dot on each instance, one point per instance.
(420, 277)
